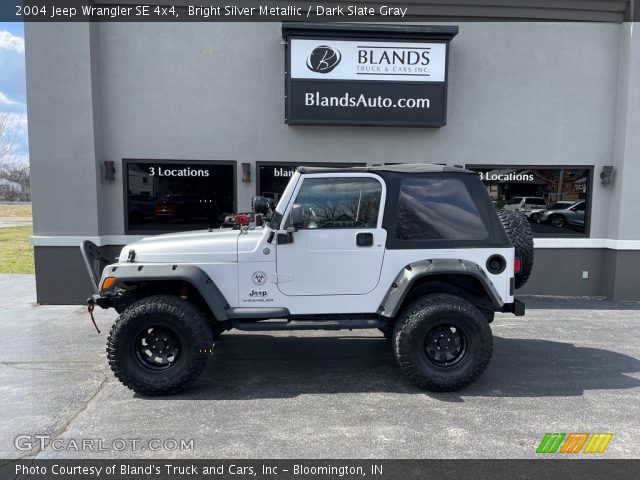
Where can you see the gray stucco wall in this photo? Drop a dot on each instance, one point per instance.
(558, 271)
(62, 137)
(519, 94)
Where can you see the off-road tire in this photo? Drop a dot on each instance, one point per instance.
(518, 230)
(430, 312)
(166, 311)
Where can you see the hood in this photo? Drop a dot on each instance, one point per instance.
(200, 246)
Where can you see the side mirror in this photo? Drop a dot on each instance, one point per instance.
(260, 205)
(297, 219)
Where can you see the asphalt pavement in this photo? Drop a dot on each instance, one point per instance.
(569, 365)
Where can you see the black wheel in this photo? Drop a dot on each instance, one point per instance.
(534, 218)
(518, 230)
(442, 342)
(557, 220)
(159, 345)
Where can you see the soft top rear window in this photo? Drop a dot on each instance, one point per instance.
(432, 208)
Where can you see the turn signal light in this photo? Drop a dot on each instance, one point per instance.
(108, 283)
(517, 265)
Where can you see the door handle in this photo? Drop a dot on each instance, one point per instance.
(364, 239)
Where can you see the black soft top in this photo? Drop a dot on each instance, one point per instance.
(400, 168)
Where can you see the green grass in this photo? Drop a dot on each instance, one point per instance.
(16, 255)
(15, 210)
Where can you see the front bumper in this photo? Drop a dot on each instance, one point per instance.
(102, 302)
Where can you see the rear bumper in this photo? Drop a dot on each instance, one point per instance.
(517, 308)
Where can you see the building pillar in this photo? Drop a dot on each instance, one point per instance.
(622, 262)
(63, 113)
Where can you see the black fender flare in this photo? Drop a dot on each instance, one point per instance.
(136, 272)
(407, 277)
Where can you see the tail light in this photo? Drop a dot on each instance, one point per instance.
(517, 265)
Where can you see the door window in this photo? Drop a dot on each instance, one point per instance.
(340, 202)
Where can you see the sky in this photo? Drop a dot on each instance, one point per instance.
(13, 98)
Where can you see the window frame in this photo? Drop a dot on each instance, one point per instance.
(294, 196)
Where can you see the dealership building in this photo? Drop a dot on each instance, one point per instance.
(145, 128)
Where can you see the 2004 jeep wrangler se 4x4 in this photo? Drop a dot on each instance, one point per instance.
(417, 251)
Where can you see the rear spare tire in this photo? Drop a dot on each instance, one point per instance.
(159, 345)
(518, 230)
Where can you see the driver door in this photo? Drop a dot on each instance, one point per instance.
(340, 248)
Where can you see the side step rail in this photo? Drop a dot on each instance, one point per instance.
(269, 325)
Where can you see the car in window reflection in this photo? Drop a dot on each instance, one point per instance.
(559, 205)
(186, 207)
(140, 207)
(560, 217)
(526, 205)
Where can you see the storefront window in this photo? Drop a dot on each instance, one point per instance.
(555, 200)
(273, 177)
(169, 196)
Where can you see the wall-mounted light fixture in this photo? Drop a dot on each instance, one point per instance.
(109, 170)
(246, 172)
(606, 175)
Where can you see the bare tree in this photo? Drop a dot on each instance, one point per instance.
(6, 138)
(10, 168)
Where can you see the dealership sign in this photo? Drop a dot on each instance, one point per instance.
(368, 80)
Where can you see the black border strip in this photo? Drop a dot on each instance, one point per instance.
(542, 468)
(302, 11)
